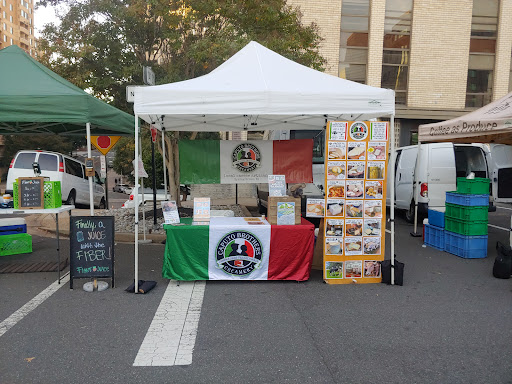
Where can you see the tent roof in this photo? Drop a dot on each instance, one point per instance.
(35, 100)
(258, 89)
(490, 124)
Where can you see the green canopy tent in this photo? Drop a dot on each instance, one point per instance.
(35, 100)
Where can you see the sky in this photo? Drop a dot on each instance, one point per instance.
(42, 16)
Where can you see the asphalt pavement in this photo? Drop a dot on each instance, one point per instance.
(449, 323)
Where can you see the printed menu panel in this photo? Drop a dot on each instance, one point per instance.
(355, 201)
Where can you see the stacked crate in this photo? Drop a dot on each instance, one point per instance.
(52, 194)
(434, 230)
(466, 218)
(14, 238)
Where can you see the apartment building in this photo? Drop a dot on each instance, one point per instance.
(442, 58)
(17, 25)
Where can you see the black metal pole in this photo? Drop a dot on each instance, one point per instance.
(154, 180)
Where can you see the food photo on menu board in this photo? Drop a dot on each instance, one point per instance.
(334, 245)
(355, 169)
(371, 245)
(353, 246)
(373, 209)
(373, 190)
(371, 268)
(353, 227)
(376, 150)
(354, 189)
(335, 207)
(337, 150)
(372, 227)
(315, 208)
(354, 208)
(353, 268)
(376, 169)
(334, 270)
(356, 151)
(336, 170)
(336, 188)
(334, 227)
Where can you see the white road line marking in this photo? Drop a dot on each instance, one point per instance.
(388, 230)
(12, 320)
(498, 206)
(495, 226)
(172, 334)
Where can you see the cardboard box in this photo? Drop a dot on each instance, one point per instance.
(272, 207)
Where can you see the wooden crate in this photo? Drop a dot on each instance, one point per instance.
(272, 207)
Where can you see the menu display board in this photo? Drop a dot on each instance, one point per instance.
(31, 192)
(355, 202)
(201, 209)
(91, 247)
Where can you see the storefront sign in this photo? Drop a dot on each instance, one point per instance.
(355, 202)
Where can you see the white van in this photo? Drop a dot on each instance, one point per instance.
(439, 166)
(58, 167)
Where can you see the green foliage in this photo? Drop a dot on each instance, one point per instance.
(125, 149)
(54, 143)
(102, 45)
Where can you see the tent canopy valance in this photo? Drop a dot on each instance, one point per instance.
(258, 89)
(489, 124)
(35, 100)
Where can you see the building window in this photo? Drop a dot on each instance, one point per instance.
(11, 30)
(5, 27)
(10, 19)
(10, 7)
(11, 42)
(482, 49)
(397, 39)
(354, 40)
(5, 38)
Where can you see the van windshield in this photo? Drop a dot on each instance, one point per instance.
(25, 160)
(47, 162)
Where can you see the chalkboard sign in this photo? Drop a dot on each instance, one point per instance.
(91, 246)
(31, 192)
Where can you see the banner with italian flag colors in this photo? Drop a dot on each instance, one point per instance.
(239, 162)
(235, 248)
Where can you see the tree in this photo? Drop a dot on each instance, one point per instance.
(102, 45)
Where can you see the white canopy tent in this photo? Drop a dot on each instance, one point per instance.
(255, 90)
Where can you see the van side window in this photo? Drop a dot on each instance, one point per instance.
(73, 168)
(25, 160)
(47, 162)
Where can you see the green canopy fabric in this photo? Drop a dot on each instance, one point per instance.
(35, 100)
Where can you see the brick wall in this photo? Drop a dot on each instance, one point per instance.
(503, 47)
(375, 42)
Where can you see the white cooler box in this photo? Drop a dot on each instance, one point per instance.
(13, 226)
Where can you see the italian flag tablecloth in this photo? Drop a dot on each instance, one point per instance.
(234, 248)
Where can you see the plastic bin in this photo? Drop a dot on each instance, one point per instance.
(476, 186)
(463, 212)
(434, 236)
(468, 247)
(466, 228)
(436, 218)
(52, 194)
(15, 244)
(467, 200)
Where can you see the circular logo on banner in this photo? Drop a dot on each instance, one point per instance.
(246, 157)
(358, 131)
(239, 253)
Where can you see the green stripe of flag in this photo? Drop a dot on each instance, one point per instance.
(189, 240)
(199, 161)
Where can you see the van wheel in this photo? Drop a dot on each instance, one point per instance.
(103, 205)
(409, 214)
(71, 198)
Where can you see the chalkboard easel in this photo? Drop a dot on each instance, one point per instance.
(31, 192)
(91, 246)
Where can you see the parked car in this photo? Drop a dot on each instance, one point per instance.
(58, 167)
(122, 188)
(439, 165)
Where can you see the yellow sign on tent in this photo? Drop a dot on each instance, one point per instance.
(104, 143)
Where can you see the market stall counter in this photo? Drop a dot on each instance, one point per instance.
(237, 248)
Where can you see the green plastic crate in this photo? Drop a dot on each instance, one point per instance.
(463, 212)
(466, 228)
(52, 194)
(15, 244)
(476, 186)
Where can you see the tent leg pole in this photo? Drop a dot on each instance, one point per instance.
(392, 197)
(163, 156)
(142, 190)
(136, 201)
(416, 182)
(89, 155)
